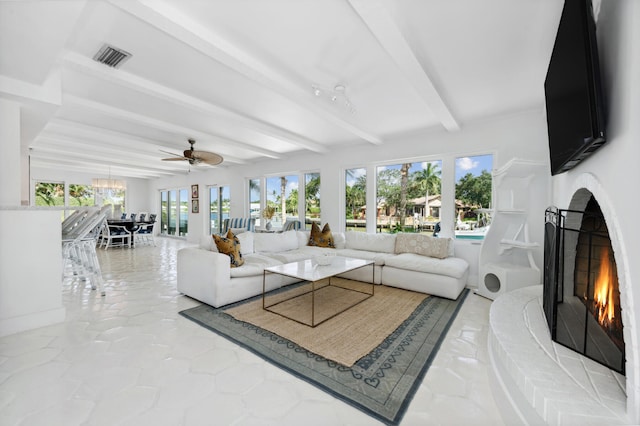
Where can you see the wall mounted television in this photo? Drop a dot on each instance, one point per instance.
(573, 93)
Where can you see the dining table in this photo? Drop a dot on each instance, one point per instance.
(130, 224)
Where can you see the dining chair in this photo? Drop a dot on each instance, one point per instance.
(144, 234)
(115, 236)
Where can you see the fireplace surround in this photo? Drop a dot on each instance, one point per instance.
(538, 380)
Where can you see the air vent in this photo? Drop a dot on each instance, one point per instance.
(111, 56)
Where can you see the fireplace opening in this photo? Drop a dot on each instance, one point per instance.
(581, 293)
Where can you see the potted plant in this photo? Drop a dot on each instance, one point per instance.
(268, 213)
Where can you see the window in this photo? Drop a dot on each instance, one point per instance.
(312, 198)
(76, 195)
(80, 195)
(255, 198)
(473, 196)
(408, 197)
(174, 212)
(184, 212)
(282, 194)
(355, 199)
(110, 196)
(50, 194)
(219, 207)
(173, 206)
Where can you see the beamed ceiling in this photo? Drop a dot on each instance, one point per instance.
(261, 79)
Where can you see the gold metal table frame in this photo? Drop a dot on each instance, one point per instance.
(317, 278)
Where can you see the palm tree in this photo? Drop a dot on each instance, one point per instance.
(404, 179)
(428, 180)
(283, 200)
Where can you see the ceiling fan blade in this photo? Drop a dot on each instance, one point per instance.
(195, 157)
(175, 155)
(175, 159)
(207, 157)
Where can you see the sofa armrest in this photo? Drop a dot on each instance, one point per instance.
(202, 273)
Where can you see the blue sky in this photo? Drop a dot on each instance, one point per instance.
(474, 165)
(273, 183)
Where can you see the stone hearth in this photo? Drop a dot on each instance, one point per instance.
(537, 380)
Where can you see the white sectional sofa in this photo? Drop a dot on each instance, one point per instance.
(410, 261)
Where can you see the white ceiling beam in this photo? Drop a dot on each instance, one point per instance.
(96, 133)
(139, 84)
(65, 150)
(86, 134)
(78, 148)
(165, 17)
(381, 25)
(57, 159)
(70, 100)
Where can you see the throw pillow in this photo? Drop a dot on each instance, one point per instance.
(424, 245)
(320, 238)
(231, 247)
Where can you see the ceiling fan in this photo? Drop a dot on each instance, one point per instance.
(196, 157)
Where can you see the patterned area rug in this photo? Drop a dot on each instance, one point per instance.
(380, 384)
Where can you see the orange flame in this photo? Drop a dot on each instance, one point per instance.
(603, 290)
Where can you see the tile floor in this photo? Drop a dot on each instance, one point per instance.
(129, 359)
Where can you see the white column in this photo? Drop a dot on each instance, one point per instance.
(10, 160)
(448, 189)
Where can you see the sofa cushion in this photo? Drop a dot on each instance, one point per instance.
(338, 239)
(302, 253)
(207, 243)
(321, 238)
(246, 241)
(379, 258)
(382, 243)
(451, 266)
(274, 242)
(254, 264)
(422, 244)
(230, 245)
(303, 238)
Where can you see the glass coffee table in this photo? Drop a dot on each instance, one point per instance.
(321, 295)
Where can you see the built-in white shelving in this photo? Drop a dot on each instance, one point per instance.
(507, 255)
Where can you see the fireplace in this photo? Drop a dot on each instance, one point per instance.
(581, 295)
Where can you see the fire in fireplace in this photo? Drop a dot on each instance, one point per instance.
(581, 294)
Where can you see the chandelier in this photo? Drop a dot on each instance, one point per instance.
(109, 183)
(112, 184)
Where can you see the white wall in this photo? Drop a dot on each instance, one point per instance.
(615, 168)
(9, 152)
(30, 270)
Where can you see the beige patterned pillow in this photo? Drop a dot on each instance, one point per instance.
(321, 238)
(423, 245)
(231, 247)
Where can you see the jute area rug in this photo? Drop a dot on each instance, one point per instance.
(381, 382)
(344, 338)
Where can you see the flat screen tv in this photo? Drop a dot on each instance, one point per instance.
(573, 93)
